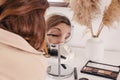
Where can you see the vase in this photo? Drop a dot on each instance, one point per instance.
(95, 49)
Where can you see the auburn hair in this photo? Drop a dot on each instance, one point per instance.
(25, 18)
(55, 19)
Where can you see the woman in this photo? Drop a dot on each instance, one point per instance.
(22, 32)
(59, 32)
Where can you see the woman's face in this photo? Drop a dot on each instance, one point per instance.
(59, 34)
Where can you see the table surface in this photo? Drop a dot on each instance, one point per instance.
(79, 60)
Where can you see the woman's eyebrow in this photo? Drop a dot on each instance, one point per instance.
(58, 29)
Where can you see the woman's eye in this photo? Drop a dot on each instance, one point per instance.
(67, 37)
(53, 35)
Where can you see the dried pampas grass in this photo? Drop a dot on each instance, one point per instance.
(85, 10)
(112, 13)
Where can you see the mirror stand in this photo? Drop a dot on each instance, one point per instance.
(59, 71)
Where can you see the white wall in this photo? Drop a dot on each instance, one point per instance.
(111, 37)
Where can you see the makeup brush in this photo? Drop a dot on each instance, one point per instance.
(46, 49)
(54, 52)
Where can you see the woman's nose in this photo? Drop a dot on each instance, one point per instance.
(62, 40)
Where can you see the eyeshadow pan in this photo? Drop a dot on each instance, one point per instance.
(84, 68)
(95, 70)
(114, 74)
(101, 71)
(88, 69)
(108, 72)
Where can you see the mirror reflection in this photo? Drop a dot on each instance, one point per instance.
(58, 33)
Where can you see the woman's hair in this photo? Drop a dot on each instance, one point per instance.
(25, 18)
(56, 19)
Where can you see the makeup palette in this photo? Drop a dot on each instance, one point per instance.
(101, 69)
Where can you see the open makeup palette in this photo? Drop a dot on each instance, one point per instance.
(101, 69)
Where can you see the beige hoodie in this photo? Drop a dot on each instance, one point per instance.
(19, 60)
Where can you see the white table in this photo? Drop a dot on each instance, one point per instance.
(110, 57)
